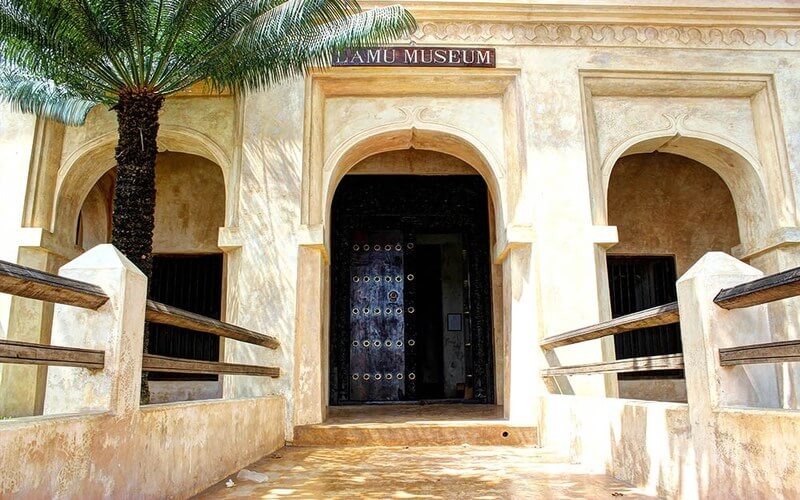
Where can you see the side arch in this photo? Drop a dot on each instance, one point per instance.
(81, 170)
(741, 172)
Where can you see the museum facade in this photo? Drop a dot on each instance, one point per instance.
(411, 222)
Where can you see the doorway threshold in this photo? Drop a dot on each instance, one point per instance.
(415, 425)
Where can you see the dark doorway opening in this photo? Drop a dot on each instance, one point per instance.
(637, 283)
(193, 283)
(410, 290)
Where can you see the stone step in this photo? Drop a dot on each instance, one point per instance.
(415, 434)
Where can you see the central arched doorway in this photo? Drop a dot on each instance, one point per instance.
(411, 294)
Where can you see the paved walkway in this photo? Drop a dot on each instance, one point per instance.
(481, 472)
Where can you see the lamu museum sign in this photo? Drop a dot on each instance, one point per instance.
(470, 57)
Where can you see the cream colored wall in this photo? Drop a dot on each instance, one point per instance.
(646, 444)
(262, 250)
(103, 455)
(190, 206)
(665, 204)
(650, 445)
(95, 217)
(16, 142)
(412, 162)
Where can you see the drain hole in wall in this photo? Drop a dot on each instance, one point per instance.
(505, 434)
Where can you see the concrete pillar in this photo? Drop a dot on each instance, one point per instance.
(311, 345)
(523, 358)
(22, 386)
(117, 328)
(705, 327)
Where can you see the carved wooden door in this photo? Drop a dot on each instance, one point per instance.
(380, 303)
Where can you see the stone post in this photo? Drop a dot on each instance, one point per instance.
(523, 358)
(117, 328)
(705, 327)
(310, 384)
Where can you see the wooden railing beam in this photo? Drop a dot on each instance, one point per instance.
(640, 364)
(154, 363)
(772, 352)
(770, 288)
(163, 314)
(661, 315)
(34, 284)
(26, 353)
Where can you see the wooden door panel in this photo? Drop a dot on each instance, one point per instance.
(377, 341)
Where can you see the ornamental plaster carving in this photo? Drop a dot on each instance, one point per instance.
(611, 35)
(675, 129)
(413, 118)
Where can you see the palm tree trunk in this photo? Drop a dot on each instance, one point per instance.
(133, 218)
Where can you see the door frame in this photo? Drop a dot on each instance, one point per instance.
(422, 210)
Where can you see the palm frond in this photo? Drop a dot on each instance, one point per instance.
(27, 94)
(78, 52)
(288, 39)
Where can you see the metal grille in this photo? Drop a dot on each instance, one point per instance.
(638, 283)
(193, 283)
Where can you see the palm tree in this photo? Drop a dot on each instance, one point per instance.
(61, 58)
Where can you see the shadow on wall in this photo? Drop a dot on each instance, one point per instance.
(262, 274)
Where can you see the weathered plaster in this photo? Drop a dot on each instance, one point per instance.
(190, 204)
(114, 448)
(161, 451)
(664, 204)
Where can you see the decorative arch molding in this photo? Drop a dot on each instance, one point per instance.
(759, 175)
(81, 170)
(433, 137)
(740, 171)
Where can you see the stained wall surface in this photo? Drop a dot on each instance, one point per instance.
(665, 204)
(162, 451)
(190, 206)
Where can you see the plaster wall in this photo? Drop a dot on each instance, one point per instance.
(263, 256)
(652, 446)
(412, 162)
(163, 391)
(664, 204)
(190, 206)
(161, 451)
(653, 389)
(647, 444)
(95, 217)
(17, 136)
